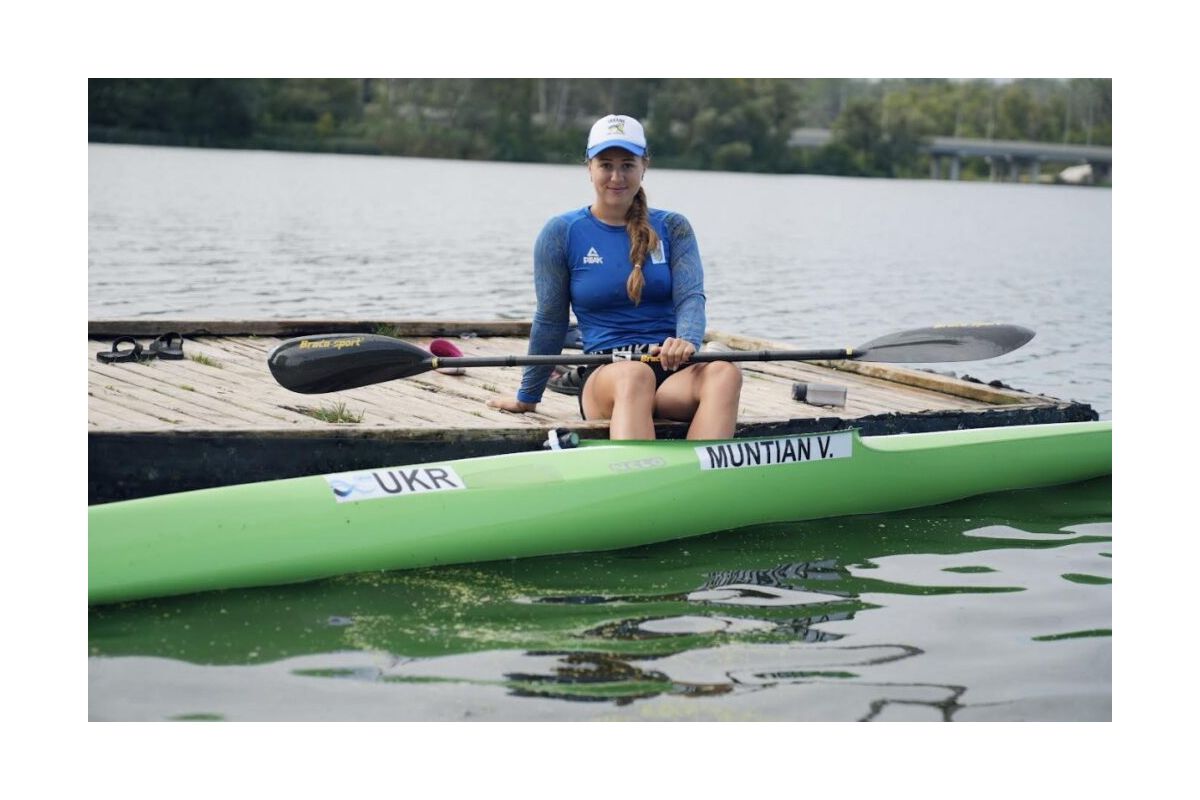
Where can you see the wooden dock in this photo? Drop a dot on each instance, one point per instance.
(218, 417)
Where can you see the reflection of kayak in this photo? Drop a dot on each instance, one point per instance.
(600, 496)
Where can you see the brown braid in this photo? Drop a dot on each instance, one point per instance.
(642, 240)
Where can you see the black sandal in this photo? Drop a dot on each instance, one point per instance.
(162, 347)
(566, 381)
(115, 355)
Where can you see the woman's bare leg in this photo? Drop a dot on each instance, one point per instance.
(707, 394)
(622, 393)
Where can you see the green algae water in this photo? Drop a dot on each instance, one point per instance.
(994, 608)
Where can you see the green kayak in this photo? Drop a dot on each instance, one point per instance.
(600, 496)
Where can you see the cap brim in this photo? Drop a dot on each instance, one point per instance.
(637, 150)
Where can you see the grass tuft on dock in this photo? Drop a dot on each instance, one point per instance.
(337, 413)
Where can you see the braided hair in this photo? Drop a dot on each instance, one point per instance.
(643, 240)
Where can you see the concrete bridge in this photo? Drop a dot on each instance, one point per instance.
(1006, 158)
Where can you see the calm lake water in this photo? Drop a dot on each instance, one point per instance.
(993, 608)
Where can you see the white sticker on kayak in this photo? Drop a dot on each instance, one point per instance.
(769, 452)
(349, 487)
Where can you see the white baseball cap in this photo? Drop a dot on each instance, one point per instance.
(617, 130)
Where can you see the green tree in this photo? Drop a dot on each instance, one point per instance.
(859, 132)
(200, 111)
(729, 124)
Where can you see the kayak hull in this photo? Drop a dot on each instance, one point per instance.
(600, 496)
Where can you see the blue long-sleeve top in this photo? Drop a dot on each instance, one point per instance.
(582, 263)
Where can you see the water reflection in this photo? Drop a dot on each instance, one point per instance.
(749, 594)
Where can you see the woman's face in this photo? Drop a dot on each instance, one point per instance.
(616, 176)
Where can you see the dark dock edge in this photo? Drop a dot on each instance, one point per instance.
(107, 329)
(128, 465)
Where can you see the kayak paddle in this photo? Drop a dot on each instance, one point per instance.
(333, 362)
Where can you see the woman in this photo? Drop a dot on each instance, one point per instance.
(634, 278)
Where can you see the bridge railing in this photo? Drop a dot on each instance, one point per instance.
(998, 152)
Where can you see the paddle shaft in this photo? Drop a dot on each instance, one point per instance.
(612, 358)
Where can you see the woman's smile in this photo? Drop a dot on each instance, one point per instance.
(616, 175)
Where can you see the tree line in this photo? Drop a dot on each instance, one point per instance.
(736, 124)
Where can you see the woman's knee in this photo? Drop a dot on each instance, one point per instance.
(721, 378)
(631, 377)
(619, 382)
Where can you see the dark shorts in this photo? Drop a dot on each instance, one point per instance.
(660, 374)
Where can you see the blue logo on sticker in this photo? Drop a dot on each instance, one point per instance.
(364, 484)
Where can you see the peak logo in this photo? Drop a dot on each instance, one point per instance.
(593, 257)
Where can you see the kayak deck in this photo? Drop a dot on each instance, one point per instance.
(217, 417)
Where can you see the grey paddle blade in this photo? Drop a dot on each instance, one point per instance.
(945, 343)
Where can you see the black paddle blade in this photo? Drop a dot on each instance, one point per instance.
(335, 361)
(945, 343)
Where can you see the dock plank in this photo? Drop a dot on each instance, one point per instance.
(134, 410)
(194, 390)
(105, 413)
(187, 390)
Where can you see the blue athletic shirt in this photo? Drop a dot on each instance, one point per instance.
(582, 263)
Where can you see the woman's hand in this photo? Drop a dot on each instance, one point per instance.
(511, 404)
(673, 353)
